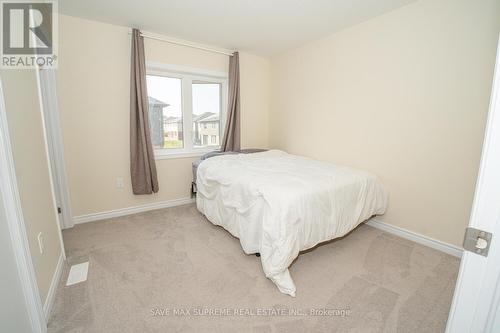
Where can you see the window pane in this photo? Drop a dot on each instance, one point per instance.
(206, 114)
(165, 111)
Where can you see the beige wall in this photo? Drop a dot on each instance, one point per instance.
(93, 89)
(32, 171)
(405, 96)
(254, 91)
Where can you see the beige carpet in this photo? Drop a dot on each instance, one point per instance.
(158, 271)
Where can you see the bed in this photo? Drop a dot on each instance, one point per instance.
(279, 204)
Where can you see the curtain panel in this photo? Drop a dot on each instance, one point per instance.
(231, 139)
(142, 159)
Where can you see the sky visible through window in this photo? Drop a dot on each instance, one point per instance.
(168, 90)
(206, 98)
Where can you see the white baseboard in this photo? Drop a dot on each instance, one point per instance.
(130, 210)
(51, 295)
(417, 238)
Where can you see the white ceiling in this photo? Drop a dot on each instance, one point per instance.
(264, 27)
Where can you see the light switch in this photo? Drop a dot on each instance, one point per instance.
(119, 182)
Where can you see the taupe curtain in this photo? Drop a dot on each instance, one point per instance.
(231, 139)
(142, 159)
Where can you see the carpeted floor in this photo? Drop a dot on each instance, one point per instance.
(171, 270)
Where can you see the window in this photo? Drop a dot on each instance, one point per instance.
(165, 111)
(186, 109)
(206, 111)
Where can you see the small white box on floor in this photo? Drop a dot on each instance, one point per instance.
(78, 273)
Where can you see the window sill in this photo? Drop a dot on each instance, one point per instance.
(183, 154)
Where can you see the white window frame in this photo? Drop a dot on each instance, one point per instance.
(187, 76)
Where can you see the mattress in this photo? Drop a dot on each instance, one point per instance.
(279, 204)
(218, 153)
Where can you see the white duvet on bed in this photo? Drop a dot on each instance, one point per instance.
(278, 204)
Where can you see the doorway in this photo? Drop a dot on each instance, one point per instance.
(48, 92)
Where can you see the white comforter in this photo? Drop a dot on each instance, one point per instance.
(278, 204)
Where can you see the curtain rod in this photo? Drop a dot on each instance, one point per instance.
(177, 42)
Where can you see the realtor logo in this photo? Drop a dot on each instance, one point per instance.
(29, 31)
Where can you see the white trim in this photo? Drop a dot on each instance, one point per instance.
(131, 210)
(9, 193)
(164, 154)
(187, 115)
(417, 238)
(48, 87)
(51, 294)
(49, 163)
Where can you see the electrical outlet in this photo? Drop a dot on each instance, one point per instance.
(40, 242)
(119, 182)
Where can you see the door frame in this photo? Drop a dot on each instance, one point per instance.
(477, 294)
(9, 194)
(48, 91)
